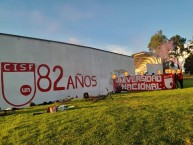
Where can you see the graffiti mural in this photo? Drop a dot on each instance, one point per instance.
(144, 82)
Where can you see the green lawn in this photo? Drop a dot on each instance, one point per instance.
(148, 118)
(188, 83)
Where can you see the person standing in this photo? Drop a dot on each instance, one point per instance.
(180, 79)
(176, 81)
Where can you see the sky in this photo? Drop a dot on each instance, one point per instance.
(121, 26)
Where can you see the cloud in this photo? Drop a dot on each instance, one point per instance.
(119, 49)
(74, 41)
(111, 48)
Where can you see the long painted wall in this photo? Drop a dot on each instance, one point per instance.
(42, 70)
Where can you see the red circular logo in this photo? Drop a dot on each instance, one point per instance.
(25, 90)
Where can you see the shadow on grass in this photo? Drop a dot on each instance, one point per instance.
(30, 110)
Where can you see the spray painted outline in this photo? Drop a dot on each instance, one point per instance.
(2, 84)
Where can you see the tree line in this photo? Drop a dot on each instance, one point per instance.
(174, 52)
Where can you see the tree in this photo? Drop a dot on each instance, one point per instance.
(160, 46)
(156, 42)
(189, 60)
(178, 51)
(188, 64)
(169, 50)
(190, 45)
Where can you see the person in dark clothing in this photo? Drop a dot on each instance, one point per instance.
(176, 81)
(180, 79)
(118, 88)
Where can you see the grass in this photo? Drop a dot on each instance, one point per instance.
(154, 117)
(188, 82)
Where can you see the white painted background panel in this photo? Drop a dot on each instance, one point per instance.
(73, 59)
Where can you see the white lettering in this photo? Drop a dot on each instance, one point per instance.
(143, 86)
(128, 79)
(153, 86)
(30, 66)
(5, 67)
(159, 79)
(143, 78)
(24, 90)
(22, 67)
(124, 86)
(134, 86)
(15, 67)
(148, 78)
(148, 87)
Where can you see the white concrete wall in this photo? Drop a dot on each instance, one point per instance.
(153, 68)
(95, 66)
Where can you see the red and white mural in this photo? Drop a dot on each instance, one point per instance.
(23, 74)
(36, 70)
(29, 79)
(144, 82)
